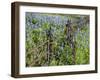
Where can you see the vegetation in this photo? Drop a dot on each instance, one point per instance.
(56, 39)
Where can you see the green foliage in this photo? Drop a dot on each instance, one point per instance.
(34, 21)
(46, 26)
(82, 56)
(46, 43)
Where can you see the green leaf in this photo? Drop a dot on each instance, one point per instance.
(34, 21)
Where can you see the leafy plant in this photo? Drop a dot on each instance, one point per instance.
(49, 42)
